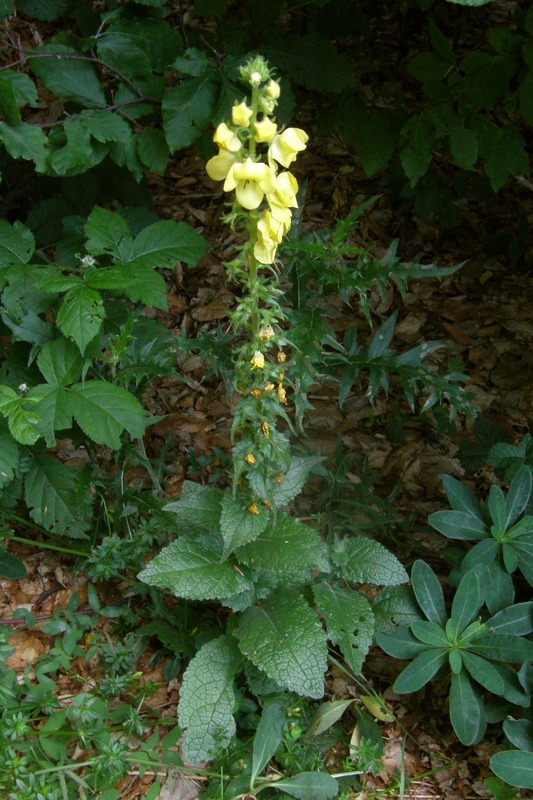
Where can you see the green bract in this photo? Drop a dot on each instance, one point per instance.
(476, 652)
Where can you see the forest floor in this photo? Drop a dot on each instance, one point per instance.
(484, 311)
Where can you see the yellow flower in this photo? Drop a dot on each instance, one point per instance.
(265, 427)
(281, 357)
(287, 145)
(218, 167)
(252, 509)
(272, 90)
(250, 459)
(282, 395)
(226, 139)
(268, 386)
(256, 392)
(251, 181)
(285, 194)
(258, 360)
(269, 235)
(266, 333)
(241, 114)
(265, 130)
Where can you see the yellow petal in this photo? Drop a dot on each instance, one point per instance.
(218, 167)
(226, 138)
(265, 130)
(241, 114)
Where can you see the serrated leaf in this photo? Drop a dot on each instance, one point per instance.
(103, 411)
(72, 78)
(193, 570)
(297, 56)
(238, 526)
(119, 50)
(24, 88)
(307, 785)
(8, 103)
(284, 638)
(199, 505)
(153, 150)
(376, 139)
(207, 698)
(463, 146)
(294, 479)
(25, 141)
(349, 622)
(54, 411)
(107, 232)
(81, 315)
(164, 243)
(22, 424)
(45, 10)
(187, 111)
(364, 560)
(53, 495)
(105, 126)
(17, 243)
(286, 545)
(9, 455)
(60, 362)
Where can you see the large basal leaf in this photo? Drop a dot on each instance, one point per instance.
(17, 243)
(284, 638)
(207, 698)
(187, 111)
(103, 411)
(349, 622)
(366, 561)
(25, 141)
(288, 546)
(81, 315)
(71, 78)
(238, 525)
(56, 499)
(193, 570)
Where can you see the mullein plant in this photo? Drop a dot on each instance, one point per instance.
(253, 160)
(286, 588)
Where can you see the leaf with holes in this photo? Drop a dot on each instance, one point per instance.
(57, 498)
(81, 315)
(349, 621)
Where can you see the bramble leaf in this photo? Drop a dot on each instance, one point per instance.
(17, 243)
(56, 499)
(284, 638)
(25, 141)
(68, 74)
(103, 411)
(187, 111)
(81, 315)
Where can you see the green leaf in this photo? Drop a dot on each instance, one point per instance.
(416, 155)
(467, 713)
(401, 643)
(22, 424)
(483, 672)
(207, 698)
(25, 141)
(119, 50)
(461, 498)
(193, 570)
(296, 55)
(56, 498)
(517, 619)
(187, 111)
(294, 479)
(429, 633)
(267, 738)
(11, 567)
(284, 638)
(60, 362)
(199, 505)
(459, 525)
(24, 88)
(518, 495)
(468, 598)
(514, 767)
(310, 786)
(463, 145)
(105, 126)
(164, 243)
(9, 454)
(9, 109)
(81, 315)
(238, 526)
(519, 732)
(327, 715)
(504, 647)
(428, 592)
(107, 232)
(103, 411)
(153, 150)
(364, 560)
(349, 621)
(286, 545)
(54, 411)
(376, 139)
(420, 671)
(45, 10)
(472, 3)
(68, 74)
(17, 243)
(507, 157)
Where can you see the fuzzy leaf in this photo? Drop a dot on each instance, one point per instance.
(349, 622)
(284, 638)
(294, 479)
(364, 560)
(103, 411)
(238, 526)
(207, 699)
(55, 498)
(199, 505)
(286, 545)
(193, 570)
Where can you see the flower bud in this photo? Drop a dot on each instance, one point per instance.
(241, 114)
